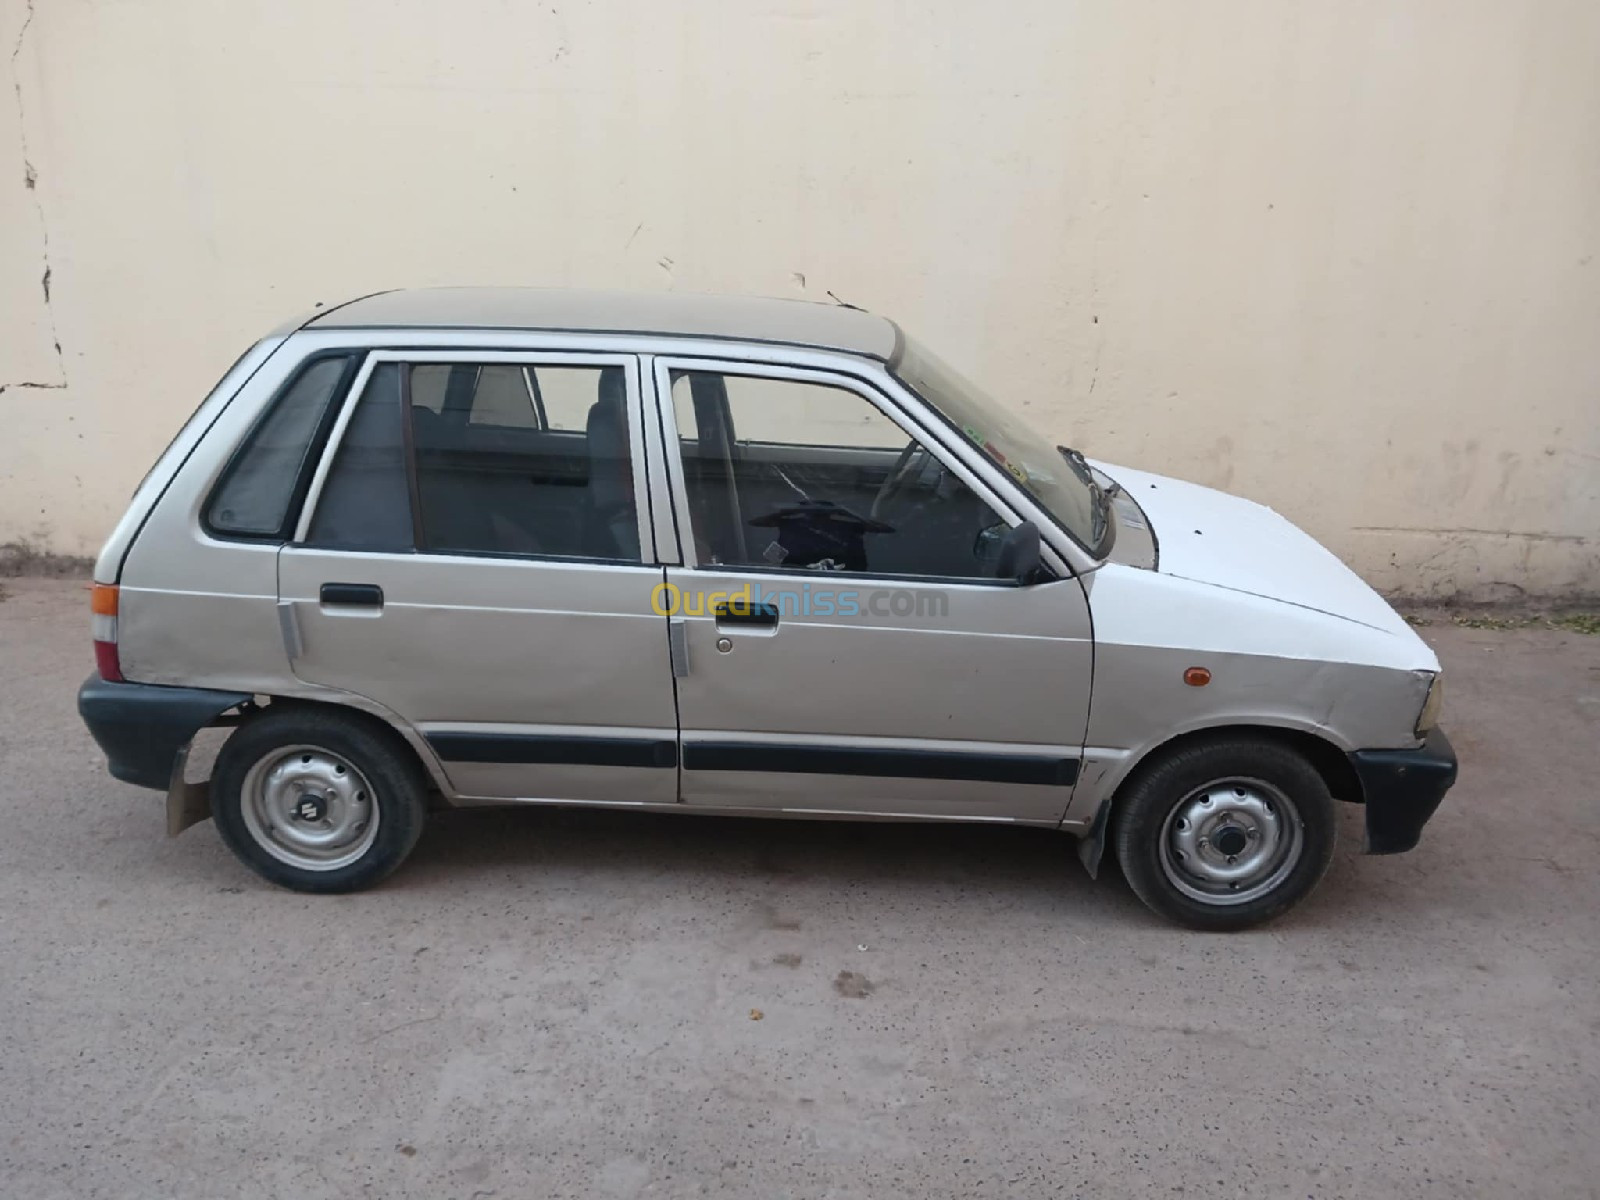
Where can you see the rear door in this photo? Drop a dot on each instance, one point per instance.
(845, 644)
(472, 557)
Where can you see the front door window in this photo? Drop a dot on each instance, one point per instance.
(791, 474)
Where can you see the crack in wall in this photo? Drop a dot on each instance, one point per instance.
(1577, 538)
(30, 180)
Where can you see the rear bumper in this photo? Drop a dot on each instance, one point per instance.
(142, 727)
(1402, 790)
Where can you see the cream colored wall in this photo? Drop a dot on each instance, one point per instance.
(1335, 256)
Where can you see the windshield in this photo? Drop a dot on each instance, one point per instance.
(1059, 483)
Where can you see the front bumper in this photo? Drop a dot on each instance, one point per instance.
(1402, 790)
(143, 727)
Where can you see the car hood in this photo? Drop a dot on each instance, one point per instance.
(1211, 537)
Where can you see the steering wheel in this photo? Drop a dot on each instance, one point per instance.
(899, 476)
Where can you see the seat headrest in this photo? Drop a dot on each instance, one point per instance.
(613, 390)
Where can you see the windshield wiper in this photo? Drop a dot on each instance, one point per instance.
(1078, 463)
(1101, 496)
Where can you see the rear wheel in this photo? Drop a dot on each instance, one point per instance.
(1225, 835)
(318, 800)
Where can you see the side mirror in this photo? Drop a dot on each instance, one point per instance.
(1019, 554)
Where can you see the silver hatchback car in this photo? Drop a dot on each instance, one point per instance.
(703, 554)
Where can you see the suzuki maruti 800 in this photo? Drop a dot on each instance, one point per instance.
(713, 555)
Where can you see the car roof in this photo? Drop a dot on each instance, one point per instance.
(670, 314)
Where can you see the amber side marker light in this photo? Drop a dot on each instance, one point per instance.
(1197, 677)
(103, 627)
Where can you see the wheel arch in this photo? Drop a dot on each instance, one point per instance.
(377, 718)
(1325, 757)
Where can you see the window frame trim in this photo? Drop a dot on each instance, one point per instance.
(330, 449)
(408, 447)
(321, 434)
(406, 358)
(672, 455)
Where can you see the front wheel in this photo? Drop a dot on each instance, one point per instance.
(1225, 835)
(318, 800)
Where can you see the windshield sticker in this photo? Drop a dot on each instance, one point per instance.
(983, 443)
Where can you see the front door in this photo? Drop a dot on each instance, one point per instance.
(844, 644)
(472, 559)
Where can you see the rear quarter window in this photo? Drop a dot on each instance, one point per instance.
(261, 484)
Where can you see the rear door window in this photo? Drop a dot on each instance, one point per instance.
(528, 460)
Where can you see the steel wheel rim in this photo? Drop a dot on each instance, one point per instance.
(1231, 841)
(309, 808)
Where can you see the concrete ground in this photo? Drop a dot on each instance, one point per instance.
(565, 1004)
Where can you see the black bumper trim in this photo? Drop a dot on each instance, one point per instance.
(143, 726)
(1402, 790)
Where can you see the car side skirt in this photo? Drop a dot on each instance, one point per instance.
(731, 810)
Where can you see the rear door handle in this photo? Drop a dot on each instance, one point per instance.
(353, 595)
(760, 614)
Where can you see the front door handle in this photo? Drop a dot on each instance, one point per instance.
(738, 612)
(352, 595)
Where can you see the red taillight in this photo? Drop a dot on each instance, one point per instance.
(105, 658)
(103, 623)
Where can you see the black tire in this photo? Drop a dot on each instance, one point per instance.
(384, 774)
(1235, 766)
